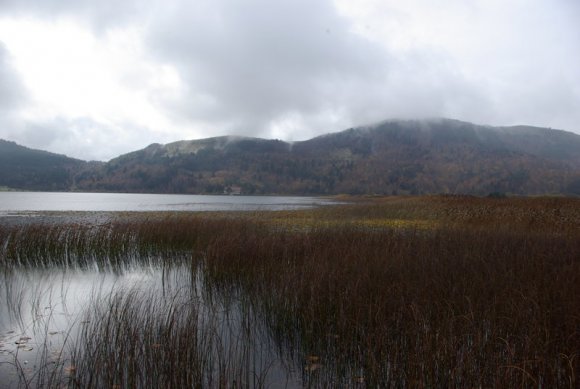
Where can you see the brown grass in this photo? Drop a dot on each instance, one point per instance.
(446, 308)
(459, 292)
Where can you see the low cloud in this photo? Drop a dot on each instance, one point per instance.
(296, 69)
(12, 93)
(293, 69)
(253, 65)
(84, 138)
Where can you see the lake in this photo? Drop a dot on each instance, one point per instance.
(11, 202)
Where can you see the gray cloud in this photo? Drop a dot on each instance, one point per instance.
(12, 92)
(100, 14)
(255, 65)
(13, 96)
(298, 68)
(84, 138)
(251, 64)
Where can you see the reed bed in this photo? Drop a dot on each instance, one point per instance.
(442, 309)
(480, 293)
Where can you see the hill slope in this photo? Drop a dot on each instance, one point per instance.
(24, 168)
(393, 157)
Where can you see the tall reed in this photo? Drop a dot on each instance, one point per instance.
(483, 294)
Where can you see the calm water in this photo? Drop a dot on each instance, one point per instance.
(11, 202)
(43, 311)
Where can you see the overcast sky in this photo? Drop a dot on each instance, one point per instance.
(96, 78)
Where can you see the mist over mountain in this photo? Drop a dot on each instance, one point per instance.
(391, 157)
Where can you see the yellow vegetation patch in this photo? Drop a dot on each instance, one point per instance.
(399, 223)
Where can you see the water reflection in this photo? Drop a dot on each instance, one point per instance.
(41, 308)
(51, 318)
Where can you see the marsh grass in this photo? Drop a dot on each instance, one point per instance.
(398, 292)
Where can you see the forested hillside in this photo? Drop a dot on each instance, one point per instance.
(393, 157)
(24, 168)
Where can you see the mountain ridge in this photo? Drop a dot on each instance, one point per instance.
(389, 157)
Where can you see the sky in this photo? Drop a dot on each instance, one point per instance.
(94, 79)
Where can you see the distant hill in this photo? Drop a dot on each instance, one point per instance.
(392, 157)
(29, 169)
